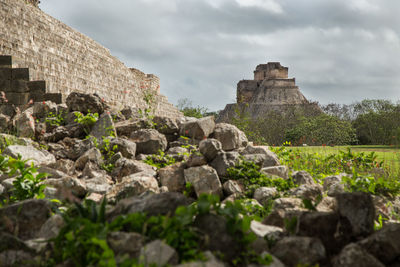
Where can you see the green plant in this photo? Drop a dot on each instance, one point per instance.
(186, 107)
(319, 165)
(148, 112)
(107, 151)
(160, 160)
(373, 185)
(87, 121)
(83, 238)
(189, 190)
(55, 119)
(249, 174)
(28, 182)
(290, 224)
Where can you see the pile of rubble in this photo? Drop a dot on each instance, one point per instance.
(338, 232)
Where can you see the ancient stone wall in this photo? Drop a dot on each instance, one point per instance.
(70, 61)
(271, 70)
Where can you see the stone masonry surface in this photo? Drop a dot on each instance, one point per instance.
(270, 90)
(70, 61)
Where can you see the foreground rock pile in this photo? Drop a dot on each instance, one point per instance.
(339, 231)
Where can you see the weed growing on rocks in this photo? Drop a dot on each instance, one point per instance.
(28, 182)
(249, 174)
(160, 160)
(83, 239)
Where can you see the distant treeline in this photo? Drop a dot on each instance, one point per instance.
(368, 122)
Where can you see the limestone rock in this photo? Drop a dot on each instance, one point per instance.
(265, 194)
(125, 167)
(196, 159)
(25, 124)
(103, 127)
(336, 189)
(357, 213)
(151, 204)
(157, 253)
(199, 128)
(173, 177)
(51, 227)
(229, 136)
(204, 180)
(295, 250)
(166, 125)
(69, 184)
(132, 186)
(232, 187)
(33, 155)
(322, 225)
(219, 240)
(92, 155)
(4, 122)
(302, 177)
(210, 148)
(384, 244)
(44, 109)
(25, 218)
(307, 191)
(85, 103)
(281, 171)
(126, 128)
(149, 141)
(126, 243)
(327, 204)
(353, 255)
(74, 148)
(331, 180)
(223, 161)
(262, 230)
(270, 158)
(15, 257)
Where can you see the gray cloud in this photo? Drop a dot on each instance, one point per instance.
(339, 51)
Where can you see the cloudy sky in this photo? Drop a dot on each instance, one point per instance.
(339, 50)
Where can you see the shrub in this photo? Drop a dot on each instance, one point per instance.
(159, 160)
(249, 174)
(28, 182)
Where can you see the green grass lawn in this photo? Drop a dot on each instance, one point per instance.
(388, 154)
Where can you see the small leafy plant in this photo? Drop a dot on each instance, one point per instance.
(28, 182)
(87, 120)
(160, 160)
(55, 119)
(249, 174)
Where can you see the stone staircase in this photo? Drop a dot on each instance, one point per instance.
(17, 90)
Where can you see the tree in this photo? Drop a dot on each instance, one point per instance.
(322, 129)
(185, 105)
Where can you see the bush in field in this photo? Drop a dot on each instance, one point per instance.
(185, 105)
(323, 129)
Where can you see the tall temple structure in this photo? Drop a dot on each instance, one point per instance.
(270, 90)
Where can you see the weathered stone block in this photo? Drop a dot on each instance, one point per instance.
(20, 74)
(18, 98)
(5, 74)
(37, 87)
(5, 61)
(19, 86)
(53, 97)
(5, 85)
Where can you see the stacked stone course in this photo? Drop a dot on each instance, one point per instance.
(70, 61)
(18, 90)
